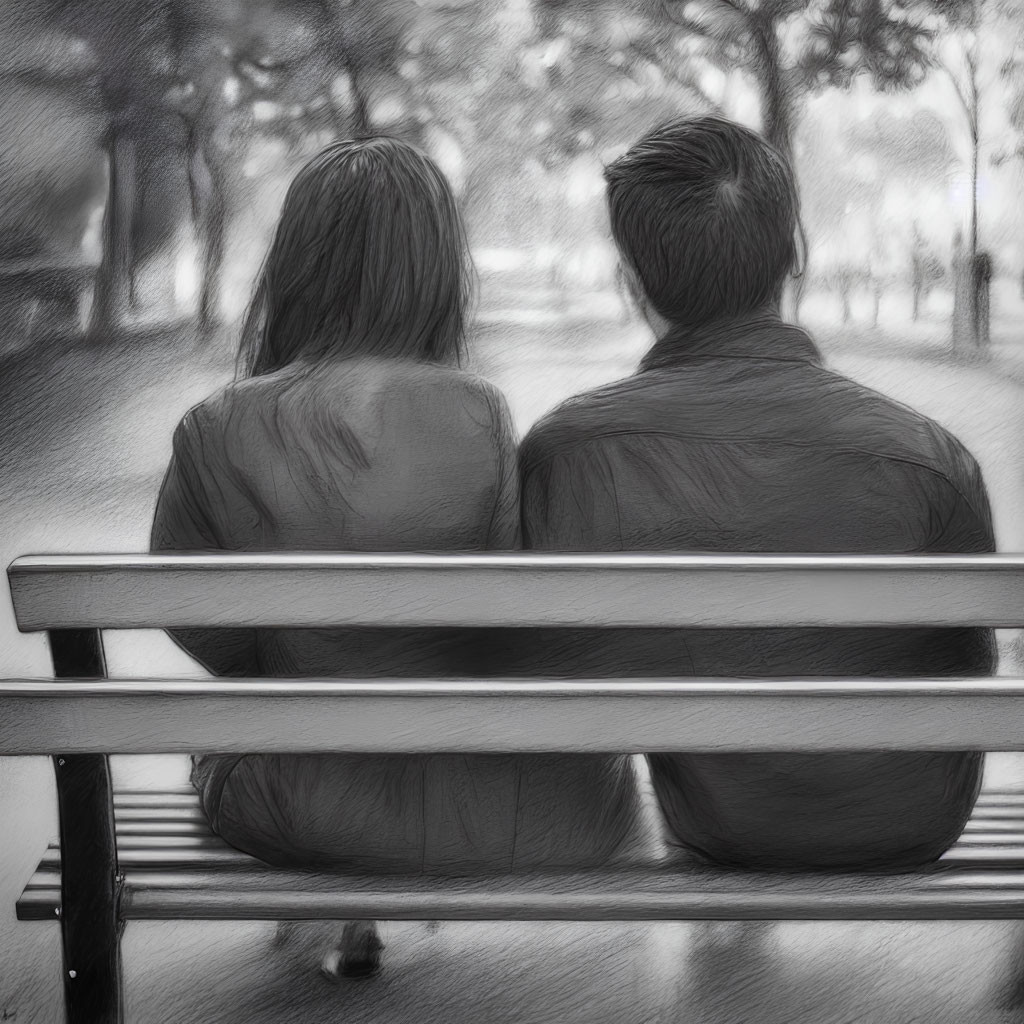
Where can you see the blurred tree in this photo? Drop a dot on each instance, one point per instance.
(129, 70)
(791, 47)
(888, 153)
(605, 70)
(974, 59)
(960, 61)
(589, 76)
(50, 177)
(221, 53)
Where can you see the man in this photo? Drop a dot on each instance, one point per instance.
(733, 437)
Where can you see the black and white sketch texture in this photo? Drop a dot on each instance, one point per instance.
(555, 275)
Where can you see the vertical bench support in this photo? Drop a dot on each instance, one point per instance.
(90, 928)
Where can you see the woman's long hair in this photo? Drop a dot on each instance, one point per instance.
(369, 258)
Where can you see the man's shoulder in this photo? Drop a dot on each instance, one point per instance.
(585, 420)
(812, 408)
(883, 428)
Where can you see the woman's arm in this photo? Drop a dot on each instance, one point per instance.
(185, 522)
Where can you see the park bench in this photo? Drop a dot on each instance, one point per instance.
(150, 855)
(57, 287)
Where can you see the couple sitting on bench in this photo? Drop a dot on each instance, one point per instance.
(351, 427)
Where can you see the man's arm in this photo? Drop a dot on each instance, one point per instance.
(569, 502)
(961, 523)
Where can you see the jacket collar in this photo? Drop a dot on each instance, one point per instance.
(762, 336)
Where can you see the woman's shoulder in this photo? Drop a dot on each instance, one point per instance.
(436, 378)
(207, 425)
(357, 391)
(461, 398)
(204, 415)
(415, 374)
(414, 385)
(233, 399)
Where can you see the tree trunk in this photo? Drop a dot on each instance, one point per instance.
(113, 290)
(777, 116)
(964, 323)
(209, 211)
(776, 94)
(972, 311)
(213, 231)
(971, 334)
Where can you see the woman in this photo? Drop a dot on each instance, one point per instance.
(351, 428)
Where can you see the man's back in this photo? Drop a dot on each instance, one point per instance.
(737, 440)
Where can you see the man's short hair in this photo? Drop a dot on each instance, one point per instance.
(706, 212)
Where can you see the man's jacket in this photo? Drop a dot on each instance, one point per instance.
(737, 439)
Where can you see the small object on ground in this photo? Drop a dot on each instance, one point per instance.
(358, 954)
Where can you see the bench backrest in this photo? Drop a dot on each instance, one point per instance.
(75, 596)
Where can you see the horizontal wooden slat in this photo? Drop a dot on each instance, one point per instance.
(152, 592)
(985, 856)
(998, 826)
(194, 829)
(164, 872)
(664, 895)
(198, 841)
(161, 798)
(164, 857)
(997, 817)
(990, 839)
(183, 716)
(174, 812)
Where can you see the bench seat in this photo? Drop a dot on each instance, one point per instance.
(174, 867)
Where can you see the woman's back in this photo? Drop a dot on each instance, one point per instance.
(348, 455)
(374, 455)
(362, 455)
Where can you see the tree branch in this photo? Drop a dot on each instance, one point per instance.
(965, 103)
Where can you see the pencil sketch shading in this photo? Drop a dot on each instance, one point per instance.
(570, 277)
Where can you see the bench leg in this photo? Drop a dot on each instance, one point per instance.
(90, 925)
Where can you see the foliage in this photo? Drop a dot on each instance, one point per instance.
(792, 47)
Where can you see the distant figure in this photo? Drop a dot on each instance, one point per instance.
(732, 437)
(351, 428)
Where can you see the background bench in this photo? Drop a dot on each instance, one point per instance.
(139, 856)
(54, 288)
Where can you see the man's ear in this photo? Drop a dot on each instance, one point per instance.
(641, 303)
(800, 254)
(631, 280)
